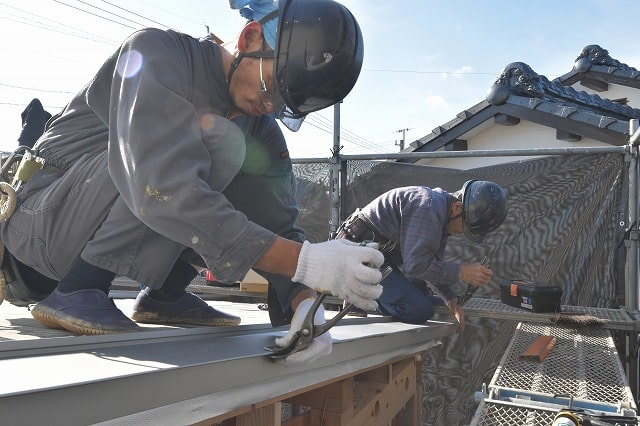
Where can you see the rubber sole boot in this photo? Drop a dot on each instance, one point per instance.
(82, 312)
(189, 309)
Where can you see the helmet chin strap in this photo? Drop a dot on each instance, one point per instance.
(234, 65)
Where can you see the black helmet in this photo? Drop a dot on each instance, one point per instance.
(484, 208)
(319, 52)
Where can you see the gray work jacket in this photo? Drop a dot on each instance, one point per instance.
(154, 105)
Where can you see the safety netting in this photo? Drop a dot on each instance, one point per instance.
(565, 226)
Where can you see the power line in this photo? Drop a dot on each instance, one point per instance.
(133, 13)
(431, 72)
(350, 136)
(110, 13)
(171, 13)
(37, 90)
(24, 105)
(326, 125)
(50, 29)
(93, 14)
(28, 20)
(345, 135)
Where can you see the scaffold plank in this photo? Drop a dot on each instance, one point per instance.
(583, 369)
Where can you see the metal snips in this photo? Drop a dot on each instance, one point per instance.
(309, 330)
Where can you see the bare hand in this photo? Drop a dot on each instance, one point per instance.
(457, 312)
(475, 274)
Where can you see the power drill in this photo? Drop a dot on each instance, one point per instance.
(567, 417)
(576, 417)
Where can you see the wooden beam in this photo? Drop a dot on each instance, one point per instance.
(334, 398)
(377, 403)
(262, 416)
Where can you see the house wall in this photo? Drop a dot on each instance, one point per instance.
(526, 135)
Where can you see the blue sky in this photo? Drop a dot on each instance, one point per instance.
(425, 61)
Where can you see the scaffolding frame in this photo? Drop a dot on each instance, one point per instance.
(337, 185)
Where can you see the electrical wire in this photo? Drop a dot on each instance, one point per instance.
(314, 120)
(322, 123)
(93, 14)
(133, 13)
(49, 29)
(35, 89)
(28, 20)
(172, 13)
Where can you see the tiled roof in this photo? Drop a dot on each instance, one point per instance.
(521, 93)
(595, 64)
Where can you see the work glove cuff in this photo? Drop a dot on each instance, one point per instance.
(306, 267)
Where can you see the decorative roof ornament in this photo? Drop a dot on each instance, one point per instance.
(596, 55)
(519, 79)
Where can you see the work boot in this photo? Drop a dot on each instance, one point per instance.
(188, 309)
(82, 312)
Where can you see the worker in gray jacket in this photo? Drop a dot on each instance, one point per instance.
(264, 190)
(412, 224)
(135, 166)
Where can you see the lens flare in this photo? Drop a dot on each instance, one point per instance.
(207, 121)
(129, 64)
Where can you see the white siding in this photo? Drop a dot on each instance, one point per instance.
(525, 135)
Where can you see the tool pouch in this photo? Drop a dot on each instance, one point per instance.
(358, 228)
(28, 166)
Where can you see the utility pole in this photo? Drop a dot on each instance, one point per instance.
(401, 144)
(337, 175)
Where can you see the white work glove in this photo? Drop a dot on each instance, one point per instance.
(343, 268)
(320, 346)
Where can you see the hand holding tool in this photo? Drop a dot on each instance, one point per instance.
(319, 346)
(471, 289)
(343, 268)
(308, 331)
